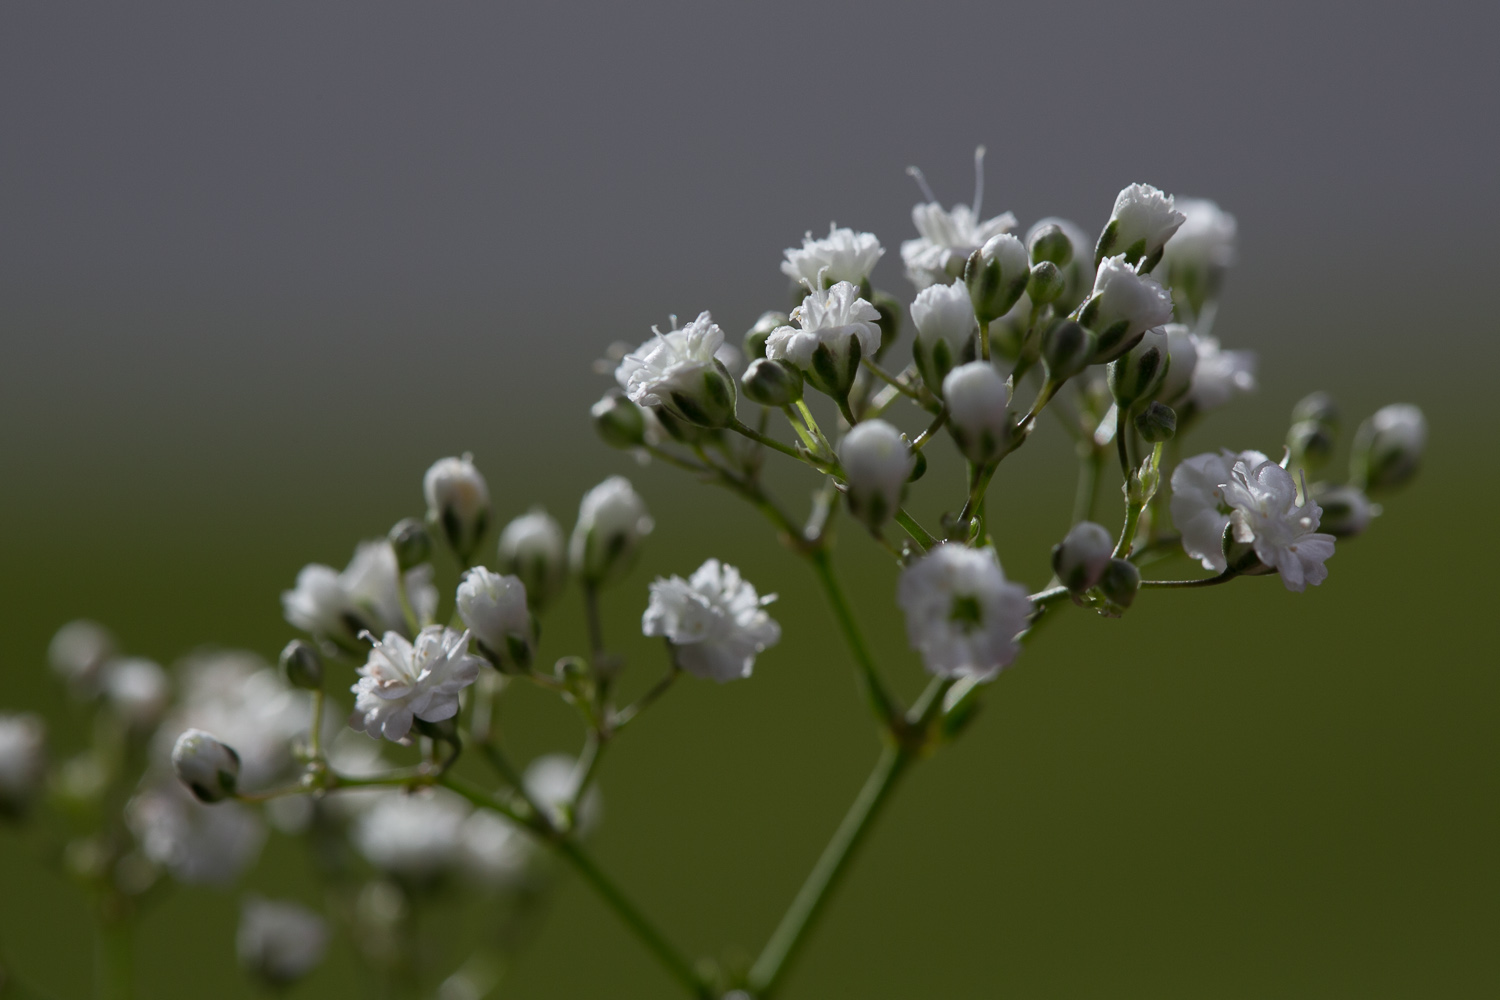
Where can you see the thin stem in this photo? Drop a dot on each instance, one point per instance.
(891, 380)
(984, 341)
(791, 934)
(315, 730)
(677, 460)
(932, 428)
(812, 426)
(665, 952)
(802, 432)
(1124, 449)
(114, 969)
(740, 427)
(595, 624)
(1049, 596)
(1090, 464)
(881, 702)
(1127, 531)
(919, 534)
(1210, 581)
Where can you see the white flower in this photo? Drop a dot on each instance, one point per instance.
(1137, 375)
(962, 615)
(1388, 446)
(1285, 534)
(414, 835)
(23, 761)
(1346, 510)
(1205, 240)
(1198, 507)
(945, 322)
(404, 680)
(1219, 374)
(552, 783)
(978, 414)
(205, 765)
(679, 370)
(829, 322)
(532, 548)
(458, 499)
(279, 942)
(1182, 348)
(79, 651)
(1142, 222)
(138, 691)
(494, 609)
(715, 621)
(1080, 558)
(998, 278)
(612, 520)
(877, 462)
(493, 849)
(946, 241)
(1123, 306)
(197, 843)
(365, 596)
(843, 255)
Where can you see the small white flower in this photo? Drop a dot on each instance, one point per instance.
(403, 680)
(206, 766)
(494, 609)
(678, 370)
(532, 547)
(1388, 446)
(1219, 374)
(552, 782)
(365, 596)
(279, 942)
(79, 651)
(1285, 533)
(962, 615)
(945, 322)
(1199, 509)
(493, 849)
(1142, 222)
(829, 323)
(946, 241)
(413, 835)
(1182, 348)
(843, 255)
(458, 499)
(1080, 558)
(23, 761)
(1123, 306)
(197, 843)
(877, 462)
(612, 521)
(1205, 240)
(978, 414)
(716, 622)
(137, 690)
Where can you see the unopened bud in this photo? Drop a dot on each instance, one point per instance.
(1318, 408)
(137, 691)
(1346, 510)
(1156, 423)
(619, 421)
(495, 610)
(1388, 447)
(772, 383)
(411, 543)
(1080, 558)
(207, 767)
(1119, 582)
(1138, 373)
(302, 666)
(459, 500)
(1051, 245)
(612, 521)
(877, 462)
(1067, 348)
(978, 414)
(78, 652)
(279, 943)
(889, 321)
(1046, 283)
(1311, 444)
(23, 762)
(755, 340)
(996, 275)
(532, 548)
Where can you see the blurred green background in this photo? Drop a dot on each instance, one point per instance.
(261, 267)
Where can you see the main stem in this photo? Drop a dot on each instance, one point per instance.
(791, 934)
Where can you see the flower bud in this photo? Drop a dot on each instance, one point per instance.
(23, 762)
(1137, 374)
(772, 383)
(137, 691)
(1050, 244)
(755, 339)
(459, 501)
(494, 608)
(889, 321)
(996, 275)
(1195, 258)
(1318, 408)
(1311, 444)
(877, 461)
(1067, 347)
(1346, 510)
(411, 543)
(619, 421)
(302, 666)
(1182, 350)
(532, 549)
(946, 325)
(78, 652)
(1156, 423)
(978, 415)
(279, 943)
(1119, 583)
(1142, 221)
(207, 767)
(1388, 447)
(1122, 307)
(1046, 283)
(612, 521)
(1080, 558)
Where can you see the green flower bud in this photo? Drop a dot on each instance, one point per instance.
(1079, 560)
(302, 666)
(1156, 423)
(1046, 283)
(996, 275)
(619, 421)
(1050, 244)
(772, 383)
(1388, 447)
(1138, 374)
(755, 340)
(1067, 347)
(1311, 444)
(1318, 408)
(1119, 583)
(411, 542)
(889, 308)
(207, 767)
(1346, 510)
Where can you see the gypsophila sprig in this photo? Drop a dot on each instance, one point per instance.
(406, 787)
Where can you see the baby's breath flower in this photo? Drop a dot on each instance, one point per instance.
(946, 325)
(414, 835)
(137, 690)
(1080, 558)
(1182, 348)
(679, 371)
(493, 849)
(458, 499)
(835, 329)
(1195, 258)
(612, 521)
(198, 844)
(948, 237)
(79, 651)
(962, 615)
(842, 255)
(1199, 509)
(1123, 306)
(978, 414)
(206, 766)
(366, 596)
(1388, 446)
(996, 276)
(279, 942)
(494, 608)
(1142, 222)
(1285, 534)
(532, 548)
(404, 680)
(23, 761)
(877, 462)
(552, 782)
(1219, 374)
(715, 621)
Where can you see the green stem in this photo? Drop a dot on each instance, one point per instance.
(1120, 445)
(1209, 581)
(114, 969)
(791, 934)
(670, 958)
(1127, 532)
(881, 702)
(1090, 464)
(932, 428)
(919, 534)
(739, 427)
(984, 341)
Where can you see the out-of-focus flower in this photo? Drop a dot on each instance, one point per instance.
(78, 652)
(137, 690)
(1219, 374)
(978, 414)
(198, 844)
(206, 766)
(23, 761)
(458, 499)
(279, 942)
(962, 615)
(612, 521)
(366, 596)
(552, 782)
(1388, 447)
(715, 620)
(842, 255)
(877, 461)
(532, 548)
(413, 835)
(494, 608)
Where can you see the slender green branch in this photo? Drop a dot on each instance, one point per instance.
(919, 534)
(1120, 444)
(686, 464)
(1208, 581)
(1090, 464)
(740, 427)
(932, 428)
(791, 934)
(114, 975)
(984, 341)
(1049, 596)
(881, 702)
